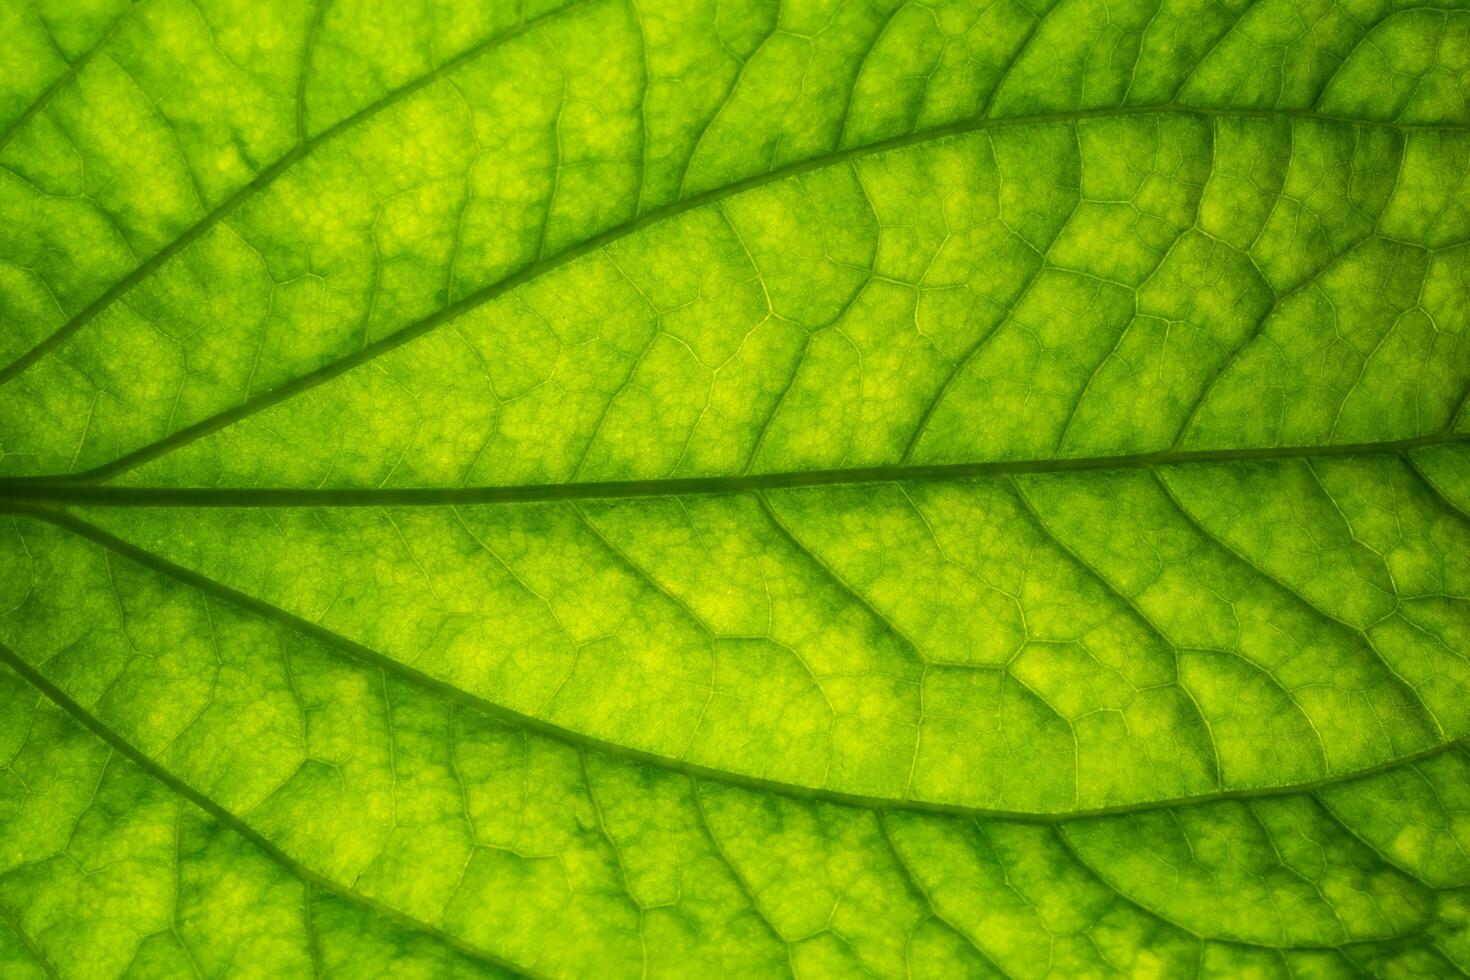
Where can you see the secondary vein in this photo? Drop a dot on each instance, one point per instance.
(72, 70)
(262, 180)
(538, 726)
(306, 875)
(535, 270)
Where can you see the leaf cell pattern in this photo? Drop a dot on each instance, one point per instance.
(645, 488)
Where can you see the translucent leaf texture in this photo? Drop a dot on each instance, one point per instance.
(607, 489)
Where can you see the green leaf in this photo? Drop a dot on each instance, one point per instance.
(668, 488)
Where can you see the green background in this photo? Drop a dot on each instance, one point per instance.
(668, 488)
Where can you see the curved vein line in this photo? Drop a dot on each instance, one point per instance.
(545, 265)
(313, 941)
(230, 821)
(1258, 329)
(1443, 958)
(982, 342)
(74, 490)
(642, 574)
(1038, 21)
(1091, 869)
(915, 885)
(1435, 491)
(719, 848)
(28, 943)
(1374, 849)
(1307, 603)
(318, 13)
(1139, 615)
(263, 180)
(349, 648)
(862, 65)
(73, 69)
(1460, 411)
(1212, 47)
(800, 547)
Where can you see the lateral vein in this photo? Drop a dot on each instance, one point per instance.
(350, 648)
(494, 290)
(127, 749)
(262, 180)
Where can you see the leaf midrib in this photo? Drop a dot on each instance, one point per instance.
(498, 712)
(24, 492)
(543, 266)
(81, 489)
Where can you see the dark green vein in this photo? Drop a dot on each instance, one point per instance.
(788, 533)
(1258, 328)
(229, 820)
(76, 490)
(915, 885)
(1313, 606)
(535, 270)
(749, 893)
(1097, 875)
(73, 69)
(313, 940)
(1347, 828)
(262, 180)
(28, 944)
(308, 49)
(1434, 489)
(1131, 604)
(538, 726)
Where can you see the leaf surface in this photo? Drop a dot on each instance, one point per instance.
(664, 488)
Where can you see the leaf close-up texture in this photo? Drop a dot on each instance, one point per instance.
(750, 488)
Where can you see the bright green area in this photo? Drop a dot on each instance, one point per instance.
(1126, 630)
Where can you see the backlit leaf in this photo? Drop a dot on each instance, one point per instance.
(665, 488)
